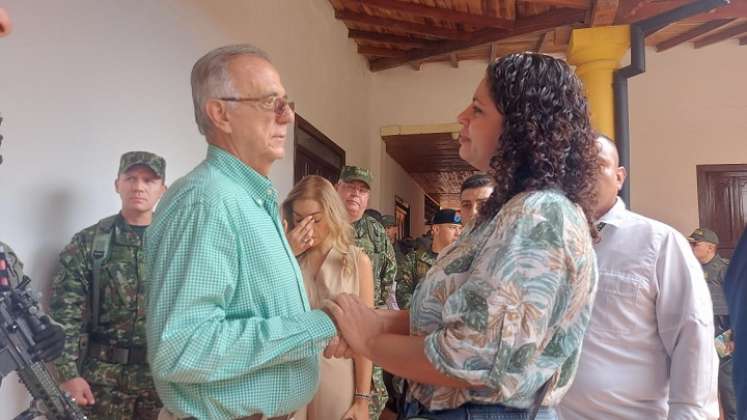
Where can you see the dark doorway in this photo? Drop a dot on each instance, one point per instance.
(315, 153)
(722, 202)
(402, 217)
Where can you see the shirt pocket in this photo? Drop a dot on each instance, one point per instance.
(618, 303)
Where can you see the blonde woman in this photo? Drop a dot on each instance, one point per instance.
(332, 265)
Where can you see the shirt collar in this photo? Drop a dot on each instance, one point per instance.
(258, 186)
(616, 215)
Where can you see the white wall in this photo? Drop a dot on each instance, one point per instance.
(83, 81)
(687, 109)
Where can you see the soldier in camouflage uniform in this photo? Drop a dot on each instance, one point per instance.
(390, 225)
(705, 247)
(99, 299)
(446, 228)
(354, 188)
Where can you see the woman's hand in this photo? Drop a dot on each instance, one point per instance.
(357, 411)
(357, 323)
(300, 237)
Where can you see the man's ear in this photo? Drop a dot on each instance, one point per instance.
(621, 174)
(217, 112)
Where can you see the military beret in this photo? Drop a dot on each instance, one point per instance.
(444, 216)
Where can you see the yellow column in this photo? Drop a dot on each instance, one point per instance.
(596, 53)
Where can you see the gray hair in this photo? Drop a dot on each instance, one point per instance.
(211, 78)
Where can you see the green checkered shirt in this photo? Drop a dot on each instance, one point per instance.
(229, 328)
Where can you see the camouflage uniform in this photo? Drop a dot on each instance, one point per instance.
(15, 270)
(371, 237)
(121, 390)
(15, 266)
(410, 272)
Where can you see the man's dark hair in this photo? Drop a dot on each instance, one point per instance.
(477, 181)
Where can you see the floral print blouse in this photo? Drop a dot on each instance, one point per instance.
(506, 307)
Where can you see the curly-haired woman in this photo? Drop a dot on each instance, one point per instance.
(496, 326)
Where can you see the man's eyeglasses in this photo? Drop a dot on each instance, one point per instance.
(277, 104)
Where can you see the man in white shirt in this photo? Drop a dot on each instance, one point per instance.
(648, 352)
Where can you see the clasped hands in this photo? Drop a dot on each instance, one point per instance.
(357, 326)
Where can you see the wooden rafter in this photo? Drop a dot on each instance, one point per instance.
(630, 11)
(403, 26)
(691, 34)
(736, 9)
(721, 36)
(603, 12)
(542, 22)
(438, 13)
(563, 35)
(493, 52)
(378, 52)
(570, 4)
(403, 41)
(547, 38)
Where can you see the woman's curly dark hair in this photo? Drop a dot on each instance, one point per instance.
(547, 140)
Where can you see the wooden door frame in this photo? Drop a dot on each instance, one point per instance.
(303, 124)
(701, 172)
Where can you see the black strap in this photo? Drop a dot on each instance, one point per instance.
(541, 393)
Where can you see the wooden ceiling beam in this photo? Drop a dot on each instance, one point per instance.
(493, 52)
(721, 36)
(693, 33)
(603, 12)
(736, 9)
(543, 45)
(403, 41)
(447, 15)
(378, 52)
(537, 23)
(630, 11)
(401, 25)
(570, 4)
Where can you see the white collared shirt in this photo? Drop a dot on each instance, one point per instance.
(648, 352)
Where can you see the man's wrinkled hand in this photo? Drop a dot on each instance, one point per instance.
(338, 348)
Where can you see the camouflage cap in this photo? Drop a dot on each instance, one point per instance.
(703, 235)
(355, 173)
(445, 216)
(156, 163)
(388, 220)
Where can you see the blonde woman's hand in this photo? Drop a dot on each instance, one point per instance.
(357, 411)
(300, 237)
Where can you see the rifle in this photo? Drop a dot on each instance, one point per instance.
(20, 319)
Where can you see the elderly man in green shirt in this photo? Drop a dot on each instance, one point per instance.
(230, 331)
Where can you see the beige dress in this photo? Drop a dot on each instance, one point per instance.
(336, 376)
